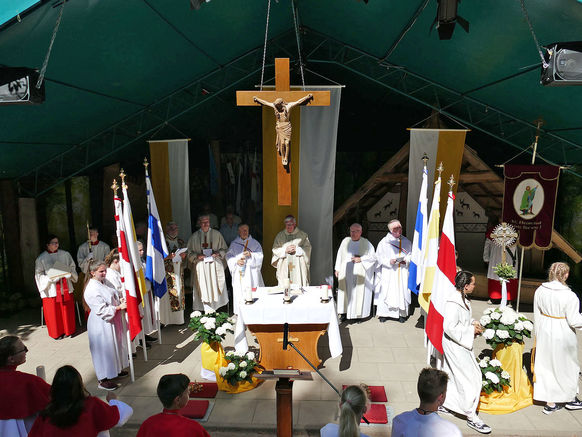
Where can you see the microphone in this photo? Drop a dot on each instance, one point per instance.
(285, 336)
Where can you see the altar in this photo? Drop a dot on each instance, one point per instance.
(308, 319)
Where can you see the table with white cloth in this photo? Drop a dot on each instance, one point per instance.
(308, 319)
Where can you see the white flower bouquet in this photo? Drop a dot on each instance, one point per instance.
(494, 378)
(210, 327)
(241, 367)
(505, 271)
(504, 326)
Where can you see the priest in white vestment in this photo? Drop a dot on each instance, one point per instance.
(107, 339)
(172, 303)
(354, 268)
(392, 296)
(464, 387)
(92, 251)
(292, 254)
(244, 259)
(206, 251)
(556, 318)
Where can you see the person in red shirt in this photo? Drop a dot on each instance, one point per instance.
(22, 395)
(173, 391)
(72, 411)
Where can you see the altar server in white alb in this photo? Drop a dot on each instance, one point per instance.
(354, 268)
(292, 254)
(392, 295)
(460, 329)
(244, 259)
(92, 251)
(105, 328)
(206, 251)
(556, 319)
(55, 272)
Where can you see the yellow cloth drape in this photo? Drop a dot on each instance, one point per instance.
(212, 356)
(241, 387)
(519, 394)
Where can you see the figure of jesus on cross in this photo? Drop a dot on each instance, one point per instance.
(283, 125)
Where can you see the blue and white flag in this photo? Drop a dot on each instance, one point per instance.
(415, 270)
(157, 250)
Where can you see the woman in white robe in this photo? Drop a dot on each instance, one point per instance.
(464, 386)
(105, 328)
(556, 318)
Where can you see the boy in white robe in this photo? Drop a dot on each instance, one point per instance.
(244, 259)
(354, 267)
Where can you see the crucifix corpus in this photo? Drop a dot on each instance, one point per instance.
(282, 100)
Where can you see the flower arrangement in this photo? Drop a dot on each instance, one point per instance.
(505, 271)
(494, 378)
(504, 326)
(210, 327)
(240, 367)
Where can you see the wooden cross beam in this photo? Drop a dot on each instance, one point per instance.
(282, 91)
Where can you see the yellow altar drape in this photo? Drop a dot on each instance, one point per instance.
(241, 387)
(519, 394)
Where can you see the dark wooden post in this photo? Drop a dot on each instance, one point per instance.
(284, 389)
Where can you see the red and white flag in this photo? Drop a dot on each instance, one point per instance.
(128, 278)
(444, 282)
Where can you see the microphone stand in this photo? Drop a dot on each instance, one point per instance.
(287, 342)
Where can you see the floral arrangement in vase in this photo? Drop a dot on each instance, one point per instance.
(494, 378)
(504, 326)
(505, 271)
(241, 367)
(210, 327)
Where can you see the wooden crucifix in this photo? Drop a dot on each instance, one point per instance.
(282, 100)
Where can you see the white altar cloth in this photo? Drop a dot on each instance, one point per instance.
(307, 308)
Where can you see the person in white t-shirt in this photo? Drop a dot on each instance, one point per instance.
(424, 421)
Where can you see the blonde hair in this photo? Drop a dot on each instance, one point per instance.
(558, 272)
(353, 405)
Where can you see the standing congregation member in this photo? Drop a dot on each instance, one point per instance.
(424, 421)
(235, 218)
(174, 393)
(556, 318)
(228, 228)
(172, 303)
(464, 385)
(22, 395)
(392, 296)
(92, 251)
(292, 254)
(353, 404)
(206, 251)
(244, 259)
(105, 329)
(354, 267)
(55, 272)
(73, 412)
(492, 254)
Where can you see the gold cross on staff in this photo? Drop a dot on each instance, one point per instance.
(282, 99)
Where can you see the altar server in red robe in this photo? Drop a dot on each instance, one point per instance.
(174, 392)
(55, 273)
(73, 412)
(22, 395)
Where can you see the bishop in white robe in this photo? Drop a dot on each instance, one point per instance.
(244, 259)
(391, 294)
(354, 268)
(206, 251)
(556, 318)
(291, 254)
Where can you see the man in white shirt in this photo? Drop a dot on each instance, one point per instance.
(424, 421)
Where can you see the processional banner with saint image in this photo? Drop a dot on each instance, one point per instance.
(529, 202)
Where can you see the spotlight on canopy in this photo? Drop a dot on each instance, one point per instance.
(447, 17)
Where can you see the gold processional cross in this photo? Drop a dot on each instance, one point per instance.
(282, 100)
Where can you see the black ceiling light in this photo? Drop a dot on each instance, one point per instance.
(562, 64)
(447, 17)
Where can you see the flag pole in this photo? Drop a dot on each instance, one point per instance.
(115, 187)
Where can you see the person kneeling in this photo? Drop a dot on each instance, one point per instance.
(174, 392)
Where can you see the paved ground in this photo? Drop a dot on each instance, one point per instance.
(389, 354)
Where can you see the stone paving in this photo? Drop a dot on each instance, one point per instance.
(389, 354)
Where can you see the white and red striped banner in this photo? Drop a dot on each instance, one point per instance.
(444, 282)
(128, 277)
